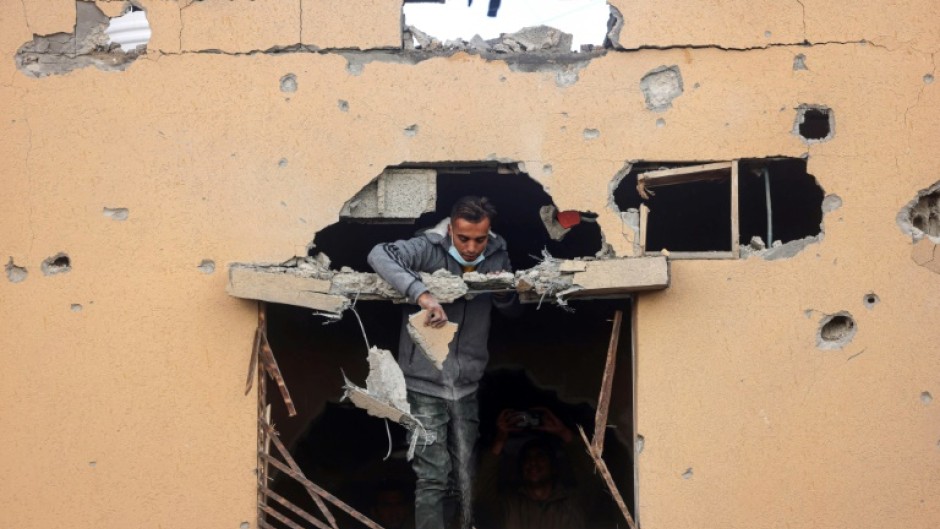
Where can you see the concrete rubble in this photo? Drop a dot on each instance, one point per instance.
(526, 40)
(309, 282)
(385, 395)
(88, 45)
(434, 342)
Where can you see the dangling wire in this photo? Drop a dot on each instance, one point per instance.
(361, 326)
(389, 433)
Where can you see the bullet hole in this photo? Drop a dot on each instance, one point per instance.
(566, 78)
(244, 525)
(57, 264)
(799, 62)
(282, 163)
(15, 273)
(687, 474)
(411, 131)
(116, 213)
(660, 86)
(926, 397)
(591, 134)
(547, 169)
(92, 464)
(814, 123)
(343, 105)
(76, 307)
(870, 300)
(660, 123)
(767, 34)
(928, 78)
(639, 444)
(835, 331)
(289, 83)
(924, 213)
(697, 86)
(355, 69)
(207, 266)
(831, 203)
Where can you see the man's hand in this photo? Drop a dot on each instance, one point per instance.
(505, 424)
(553, 425)
(436, 316)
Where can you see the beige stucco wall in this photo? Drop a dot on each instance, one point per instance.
(131, 412)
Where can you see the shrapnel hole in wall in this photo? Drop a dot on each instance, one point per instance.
(518, 200)
(836, 330)
(57, 264)
(814, 123)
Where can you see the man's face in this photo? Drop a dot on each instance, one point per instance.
(537, 467)
(469, 238)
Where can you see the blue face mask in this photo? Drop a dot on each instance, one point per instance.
(457, 257)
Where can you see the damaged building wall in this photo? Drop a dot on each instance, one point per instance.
(129, 410)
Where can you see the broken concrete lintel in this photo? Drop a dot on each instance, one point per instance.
(313, 293)
(620, 276)
(307, 283)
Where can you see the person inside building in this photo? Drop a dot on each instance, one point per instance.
(445, 400)
(537, 497)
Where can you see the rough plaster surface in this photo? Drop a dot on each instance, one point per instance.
(147, 380)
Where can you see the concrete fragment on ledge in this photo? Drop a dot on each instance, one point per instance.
(308, 282)
(310, 292)
(434, 342)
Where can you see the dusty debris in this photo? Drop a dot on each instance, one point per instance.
(88, 45)
(385, 396)
(386, 380)
(529, 39)
(309, 282)
(433, 342)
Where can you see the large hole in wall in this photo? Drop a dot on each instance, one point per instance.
(778, 201)
(518, 200)
(548, 357)
(514, 26)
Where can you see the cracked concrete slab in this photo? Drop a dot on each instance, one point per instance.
(434, 342)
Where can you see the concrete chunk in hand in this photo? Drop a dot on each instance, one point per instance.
(433, 342)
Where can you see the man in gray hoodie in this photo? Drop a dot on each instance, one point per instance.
(444, 400)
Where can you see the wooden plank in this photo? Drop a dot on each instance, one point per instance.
(315, 490)
(326, 495)
(293, 508)
(678, 175)
(620, 276)
(644, 216)
(735, 237)
(280, 517)
(313, 293)
(607, 384)
(608, 479)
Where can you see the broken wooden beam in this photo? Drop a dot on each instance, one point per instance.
(607, 384)
(679, 175)
(608, 479)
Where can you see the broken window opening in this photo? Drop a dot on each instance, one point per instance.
(548, 357)
(488, 26)
(691, 207)
(518, 200)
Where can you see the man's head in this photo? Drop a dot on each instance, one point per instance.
(537, 462)
(469, 228)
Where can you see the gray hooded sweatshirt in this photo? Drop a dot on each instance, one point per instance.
(399, 263)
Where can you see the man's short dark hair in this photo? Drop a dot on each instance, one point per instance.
(473, 208)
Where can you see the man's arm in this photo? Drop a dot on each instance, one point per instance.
(395, 262)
